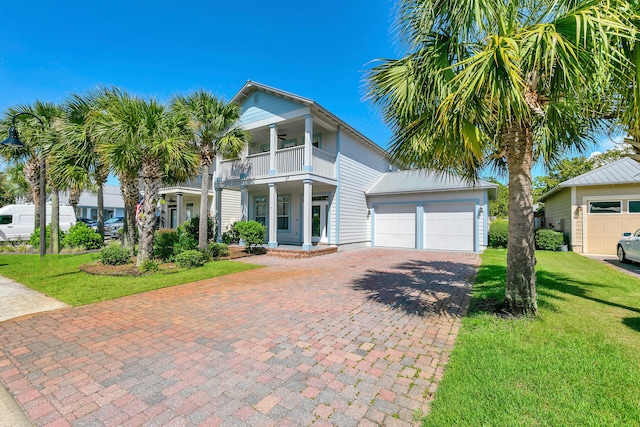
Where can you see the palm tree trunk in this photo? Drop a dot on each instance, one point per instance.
(101, 176)
(521, 277)
(55, 221)
(131, 195)
(204, 208)
(151, 181)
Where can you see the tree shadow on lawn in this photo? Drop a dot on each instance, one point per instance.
(573, 287)
(420, 287)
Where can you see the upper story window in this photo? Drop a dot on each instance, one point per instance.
(613, 207)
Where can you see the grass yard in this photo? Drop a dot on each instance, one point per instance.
(577, 364)
(58, 276)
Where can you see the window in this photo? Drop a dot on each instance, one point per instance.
(605, 207)
(261, 210)
(6, 219)
(284, 203)
(634, 206)
(316, 140)
(288, 143)
(264, 148)
(189, 213)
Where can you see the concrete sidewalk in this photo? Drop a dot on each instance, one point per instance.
(17, 300)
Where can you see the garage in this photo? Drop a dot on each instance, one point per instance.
(606, 221)
(449, 226)
(395, 226)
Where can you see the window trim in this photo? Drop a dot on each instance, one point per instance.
(604, 201)
(288, 215)
(629, 207)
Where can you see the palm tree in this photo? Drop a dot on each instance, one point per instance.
(214, 131)
(145, 138)
(37, 138)
(499, 84)
(77, 161)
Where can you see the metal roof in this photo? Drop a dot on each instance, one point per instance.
(424, 181)
(623, 171)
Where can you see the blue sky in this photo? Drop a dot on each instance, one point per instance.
(316, 49)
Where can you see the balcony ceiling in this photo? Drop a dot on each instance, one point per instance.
(291, 128)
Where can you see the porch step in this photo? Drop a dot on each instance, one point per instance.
(299, 253)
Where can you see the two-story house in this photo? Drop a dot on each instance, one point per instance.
(312, 179)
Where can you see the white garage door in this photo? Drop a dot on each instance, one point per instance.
(449, 226)
(395, 226)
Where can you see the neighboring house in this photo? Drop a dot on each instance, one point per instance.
(313, 179)
(597, 207)
(88, 204)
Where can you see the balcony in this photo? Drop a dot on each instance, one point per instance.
(194, 184)
(288, 161)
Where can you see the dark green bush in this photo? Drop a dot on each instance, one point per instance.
(231, 236)
(165, 240)
(81, 235)
(189, 259)
(549, 240)
(185, 242)
(216, 250)
(192, 228)
(34, 240)
(115, 254)
(498, 233)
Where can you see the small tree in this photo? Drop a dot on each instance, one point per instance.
(251, 233)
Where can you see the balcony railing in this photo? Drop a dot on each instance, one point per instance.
(288, 161)
(195, 183)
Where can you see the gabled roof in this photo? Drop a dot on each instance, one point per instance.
(423, 181)
(251, 86)
(623, 171)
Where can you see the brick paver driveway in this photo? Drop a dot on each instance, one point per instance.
(353, 338)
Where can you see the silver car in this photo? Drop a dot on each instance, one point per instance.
(112, 225)
(629, 247)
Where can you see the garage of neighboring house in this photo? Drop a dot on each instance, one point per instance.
(597, 207)
(422, 210)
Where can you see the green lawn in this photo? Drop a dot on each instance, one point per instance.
(59, 277)
(577, 364)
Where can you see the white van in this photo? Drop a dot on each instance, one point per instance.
(17, 221)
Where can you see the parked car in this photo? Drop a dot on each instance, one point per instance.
(17, 221)
(90, 222)
(629, 247)
(112, 225)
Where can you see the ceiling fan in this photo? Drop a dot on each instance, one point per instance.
(282, 136)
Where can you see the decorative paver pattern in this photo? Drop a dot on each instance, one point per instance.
(354, 338)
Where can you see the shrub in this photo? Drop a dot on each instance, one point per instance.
(251, 232)
(192, 227)
(231, 236)
(548, 240)
(149, 266)
(216, 250)
(189, 259)
(82, 235)
(498, 233)
(34, 240)
(115, 254)
(165, 240)
(185, 242)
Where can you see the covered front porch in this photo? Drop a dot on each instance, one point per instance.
(297, 214)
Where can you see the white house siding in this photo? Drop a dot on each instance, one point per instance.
(360, 167)
(231, 209)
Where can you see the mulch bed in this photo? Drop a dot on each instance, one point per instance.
(98, 268)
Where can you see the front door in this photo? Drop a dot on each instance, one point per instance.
(319, 211)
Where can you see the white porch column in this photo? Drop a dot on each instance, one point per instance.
(308, 139)
(216, 172)
(306, 219)
(178, 209)
(217, 214)
(273, 146)
(244, 202)
(273, 216)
